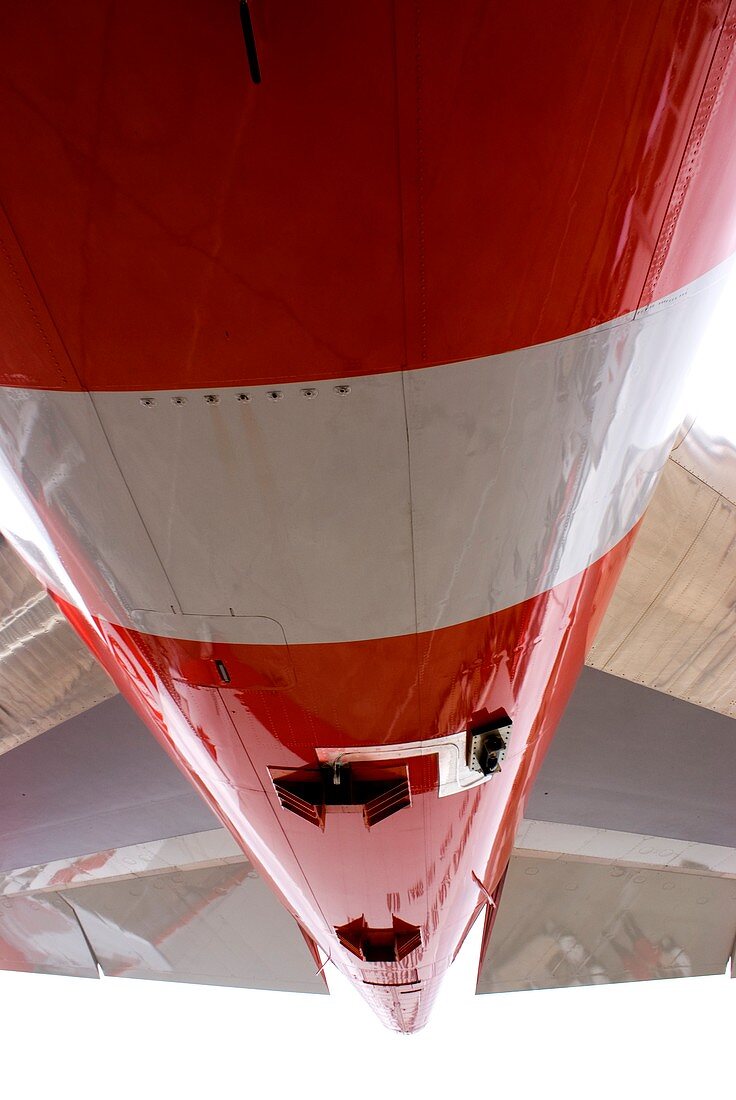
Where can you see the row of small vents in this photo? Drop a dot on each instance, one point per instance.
(245, 398)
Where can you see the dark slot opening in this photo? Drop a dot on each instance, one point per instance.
(250, 42)
(380, 944)
(222, 672)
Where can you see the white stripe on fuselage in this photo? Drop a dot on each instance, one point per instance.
(418, 500)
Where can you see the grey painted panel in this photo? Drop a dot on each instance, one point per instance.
(41, 935)
(47, 675)
(215, 926)
(95, 782)
(629, 758)
(566, 922)
(671, 623)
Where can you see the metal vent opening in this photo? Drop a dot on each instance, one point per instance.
(376, 791)
(380, 944)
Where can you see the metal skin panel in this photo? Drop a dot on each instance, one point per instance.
(349, 214)
(206, 234)
(578, 441)
(94, 782)
(423, 860)
(335, 464)
(217, 926)
(41, 935)
(569, 922)
(213, 848)
(626, 757)
(189, 909)
(709, 457)
(625, 849)
(671, 622)
(46, 675)
(383, 486)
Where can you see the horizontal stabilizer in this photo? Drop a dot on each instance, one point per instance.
(566, 921)
(669, 625)
(189, 909)
(47, 675)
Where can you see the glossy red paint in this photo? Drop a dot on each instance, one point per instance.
(401, 190)
(422, 863)
(363, 208)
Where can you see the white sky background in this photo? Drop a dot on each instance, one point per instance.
(138, 1039)
(712, 392)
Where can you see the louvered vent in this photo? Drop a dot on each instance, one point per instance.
(311, 793)
(380, 944)
(302, 799)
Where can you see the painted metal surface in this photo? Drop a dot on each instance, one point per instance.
(455, 773)
(671, 622)
(624, 849)
(46, 675)
(192, 851)
(408, 498)
(348, 214)
(215, 925)
(571, 922)
(387, 250)
(422, 862)
(208, 920)
(628, 758)
(42, 936)
(709, 456)
(95, 782)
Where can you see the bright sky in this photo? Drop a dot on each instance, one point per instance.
(71, 1037)
(713, 381)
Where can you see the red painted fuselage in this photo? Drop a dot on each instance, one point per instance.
(329, 405)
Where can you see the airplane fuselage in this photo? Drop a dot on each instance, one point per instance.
(330, 404)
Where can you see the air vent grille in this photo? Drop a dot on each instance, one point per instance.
(380, 944)
(376, 791)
